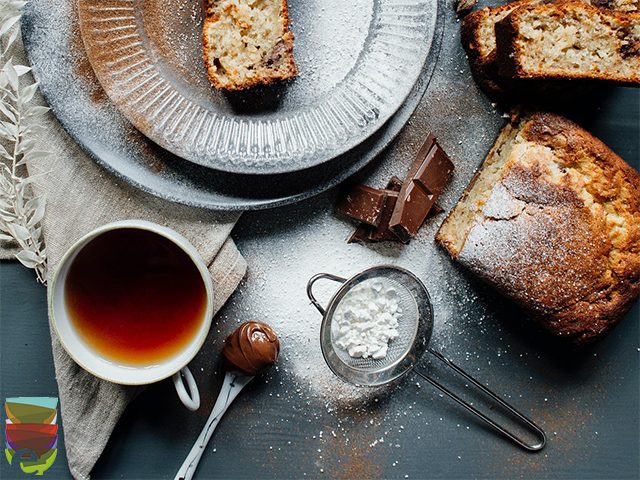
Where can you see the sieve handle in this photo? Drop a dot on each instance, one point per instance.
(532, 426)
(313, 280)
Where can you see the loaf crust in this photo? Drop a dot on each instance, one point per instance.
(280, 58)
(557, 229)
(514, 50)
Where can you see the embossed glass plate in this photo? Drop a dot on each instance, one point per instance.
(358, 61)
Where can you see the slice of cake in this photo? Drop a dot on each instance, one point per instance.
(552, 220)
(479, 40)
(247, 43)
(568, 41)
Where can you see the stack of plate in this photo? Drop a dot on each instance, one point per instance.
(364, 66)
(31, 433)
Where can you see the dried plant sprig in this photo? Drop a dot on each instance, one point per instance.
(10, 13)
(21, 211)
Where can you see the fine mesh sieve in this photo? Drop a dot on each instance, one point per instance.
(414, 328)
(407, 326)
(415, 325)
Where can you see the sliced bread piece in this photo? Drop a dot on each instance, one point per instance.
(479, 40)
(247, 43)
(552, 220)
(568, 41)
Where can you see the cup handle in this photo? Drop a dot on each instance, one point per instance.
(190, 399)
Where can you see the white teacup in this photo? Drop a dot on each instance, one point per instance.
(103, 368)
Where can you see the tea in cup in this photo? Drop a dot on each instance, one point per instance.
(132, 303)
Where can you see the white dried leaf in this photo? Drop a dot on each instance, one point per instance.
(38, 213)
(27, 92)
(7, 23)
(36, 111)
(19, 232)
(36, 155)
(12, 38)
(7, 217)
(25, 145)
(37, 233)
(4, 89)
(6, 238)
(4, 179)
(12, 128)
(5, 133)
(5, 109)
(28, 258)
(22, 69)
(12, 75)
(21, 213)
(4, 153)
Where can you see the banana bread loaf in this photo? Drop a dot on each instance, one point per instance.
(552, 220)
(247, 43)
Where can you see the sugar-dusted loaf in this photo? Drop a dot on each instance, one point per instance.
(568, 41)
(552, 220)
(247, 43)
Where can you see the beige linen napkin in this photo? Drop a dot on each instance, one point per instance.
(80, 197)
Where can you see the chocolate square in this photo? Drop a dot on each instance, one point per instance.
(362, 203)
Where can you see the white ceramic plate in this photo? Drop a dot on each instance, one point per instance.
(358, 61)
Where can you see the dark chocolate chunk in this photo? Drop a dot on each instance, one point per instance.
(435, 210)
(435, 172)
(382, 232)
(428, 175)
(362, 203)
(361, 235)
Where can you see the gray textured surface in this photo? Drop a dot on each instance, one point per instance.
(284, 424)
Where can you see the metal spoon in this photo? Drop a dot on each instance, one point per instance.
(233, 383)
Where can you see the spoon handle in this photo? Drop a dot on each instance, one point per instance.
(233, 383)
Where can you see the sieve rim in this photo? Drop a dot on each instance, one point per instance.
(404, 363)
